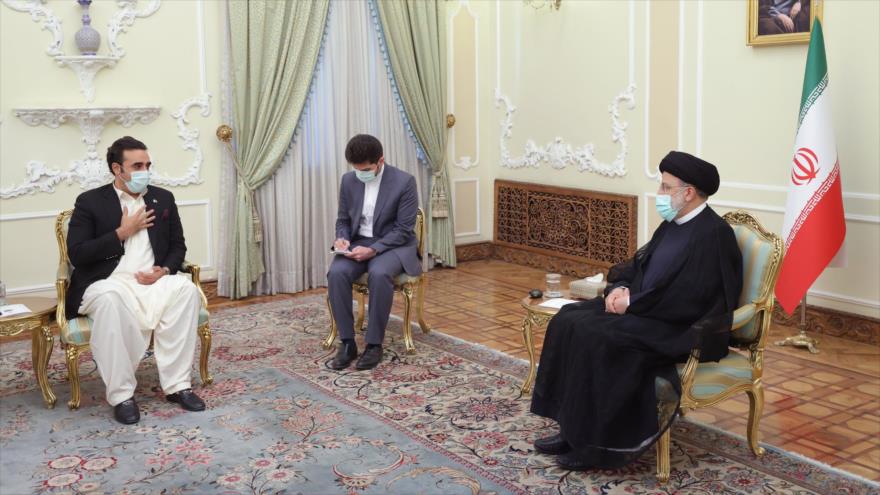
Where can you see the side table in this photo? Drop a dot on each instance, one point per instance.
(42, 341)
(536, 316)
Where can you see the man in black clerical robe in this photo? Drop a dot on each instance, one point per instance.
(602, 358)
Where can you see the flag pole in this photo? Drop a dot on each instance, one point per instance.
(801, 339)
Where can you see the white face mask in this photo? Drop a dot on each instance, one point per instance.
(366, 175)
(666, 207)
(139, 182)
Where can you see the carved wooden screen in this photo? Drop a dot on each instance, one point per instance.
(593, 227)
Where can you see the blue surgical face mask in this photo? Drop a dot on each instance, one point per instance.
(139, 182)
(365, 175)
(664, 207)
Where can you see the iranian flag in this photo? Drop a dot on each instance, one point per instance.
(814, 227)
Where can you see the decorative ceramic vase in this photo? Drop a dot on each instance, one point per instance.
(88, 39)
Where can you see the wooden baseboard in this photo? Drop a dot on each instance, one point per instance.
(473, 251)
(820, 321)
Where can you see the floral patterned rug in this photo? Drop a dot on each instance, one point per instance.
(447, 420)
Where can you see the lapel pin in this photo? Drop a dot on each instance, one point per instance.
(154, 200)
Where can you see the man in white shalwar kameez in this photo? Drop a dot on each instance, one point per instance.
(126, 244)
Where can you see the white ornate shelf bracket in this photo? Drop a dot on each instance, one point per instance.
(88, 172)
(561, 154)
(190, 137)
(124, 19)
(41, 13)
(86, 67)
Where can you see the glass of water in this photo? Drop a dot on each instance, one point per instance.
(554, 285)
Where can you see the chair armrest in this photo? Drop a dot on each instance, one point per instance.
(195, 272)
(743, 315)
(688, 374)
(62, 279)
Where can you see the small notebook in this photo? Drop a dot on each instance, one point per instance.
(556, 303)
(14, 309)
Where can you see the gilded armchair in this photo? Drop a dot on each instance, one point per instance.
(75, 333)
(407, 285)
(706, 384)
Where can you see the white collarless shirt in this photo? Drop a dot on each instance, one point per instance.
(690, 216)
(371, 194)
(138, 255)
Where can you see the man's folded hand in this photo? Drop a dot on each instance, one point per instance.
(362, 253)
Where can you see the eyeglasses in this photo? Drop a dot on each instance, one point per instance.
(666, 188)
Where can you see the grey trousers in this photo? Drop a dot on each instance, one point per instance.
(382, 269)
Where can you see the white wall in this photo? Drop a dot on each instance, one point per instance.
(171, 61)
(699, 88)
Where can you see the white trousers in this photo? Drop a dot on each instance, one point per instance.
(125, 314)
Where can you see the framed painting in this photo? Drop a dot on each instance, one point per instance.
(778, 22)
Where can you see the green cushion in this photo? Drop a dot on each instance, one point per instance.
(400, 280)
(756, 254)
(79, 329)
(713, 378)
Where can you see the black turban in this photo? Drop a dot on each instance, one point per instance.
(695, 171)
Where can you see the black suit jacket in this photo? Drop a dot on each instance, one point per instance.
(95, 250)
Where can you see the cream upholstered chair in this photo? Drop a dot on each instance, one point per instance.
(706, 384)
(75, 333)
(405, 284)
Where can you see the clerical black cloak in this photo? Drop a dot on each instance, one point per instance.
(598, 370)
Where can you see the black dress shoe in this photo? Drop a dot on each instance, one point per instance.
(346, 353)
(370, 358)
(572, 463)
(126, 412)
(552, 445)
(187, 400)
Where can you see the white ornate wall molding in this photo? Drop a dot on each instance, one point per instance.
(88, 172)
(476, 199)
(124, 19)
(86, 67)
(463, 162)
(190, 137)
(558, 152)
(41, 13)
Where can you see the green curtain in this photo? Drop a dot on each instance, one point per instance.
(274, 50)
(415, 39)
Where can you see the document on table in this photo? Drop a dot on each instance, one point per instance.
(14, 309)
(556, 303)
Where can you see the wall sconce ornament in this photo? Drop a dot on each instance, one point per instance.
(89, 63)
(540, 4)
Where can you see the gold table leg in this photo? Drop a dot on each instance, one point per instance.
(530, 348)
(41, 350)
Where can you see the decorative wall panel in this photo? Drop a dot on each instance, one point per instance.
(591, 227)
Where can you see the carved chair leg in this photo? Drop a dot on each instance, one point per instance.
(328, 341)
(72, 355)
(756, 408)
(362, 310)
(205, 337)
(663, 457)
(407, 291)
(420, 304)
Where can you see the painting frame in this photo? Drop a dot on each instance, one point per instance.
(755, 38)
